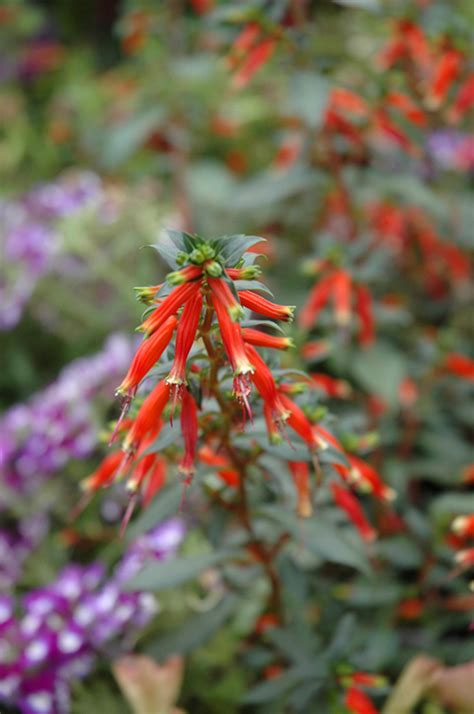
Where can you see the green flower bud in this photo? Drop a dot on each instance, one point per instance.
(214, 269)
(197, 256)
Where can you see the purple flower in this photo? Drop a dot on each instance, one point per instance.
(30, 239)
(452, 150)
(56, 425)
(64, 627)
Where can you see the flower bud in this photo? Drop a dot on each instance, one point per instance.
(214, 269)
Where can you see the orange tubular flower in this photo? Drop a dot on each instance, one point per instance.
(148, 416)
(463, 526)
(464, 100)
(170, 306)
(189, 428)
(155, 480)
(460, 365)
(256, 58)
(261, 339)
(446, 71)
(299, 422)
(351, 506)
(185, 337)
(341, 290)
(465, 558)
(357, 702)
(363, 308)
(259, 304)
(104, 473)
(246, 38)
(225, 295)
(330, 386)
(146, 356)
(366, 478)
(300, 472)
(388, 130)
(407, 107)
(341, 98)
(318, 297)
(265, 385)
(234, 346)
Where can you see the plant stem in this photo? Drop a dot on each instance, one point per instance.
(242, 510)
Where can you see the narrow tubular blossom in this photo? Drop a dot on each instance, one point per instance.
(185, 337)
(189, 428)
(232, 339)
(266, 386)
(259, 304)
(170, 306)
(148, 416)
(146, 356)
(358, 703)
(104, 473)
(341, 291)
(351, 506)
(463, 526)
(318, 297)
(261, 339)
(363, 308)
(299, 422)
(224, 294)
(300, 473)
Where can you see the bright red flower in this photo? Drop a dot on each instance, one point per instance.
(460, 365)
(445, 72)
(224, 295)
(299, 422)
(351, 506)
(148, 417)
(363, 309)
(300, 473)
(464, 526)
(465, 558)
(262, 339)
(357, 702)
(155, 480)
(265, 385)
(341, 292)
(259, 304)
(170, 306)
(407, 107)
(330, 386)
(317, 299)
(189, 429)
(185, 336)
(104, 473)
(345, 99)
(146, 356)
(255, 59)
(234, 346)
(463, 101)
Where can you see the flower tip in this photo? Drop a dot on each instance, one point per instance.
(389, 494)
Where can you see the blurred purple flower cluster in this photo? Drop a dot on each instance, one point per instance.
(452, 150)
(30, 239)
(37, 438)
(59, 631)
(16, 544)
